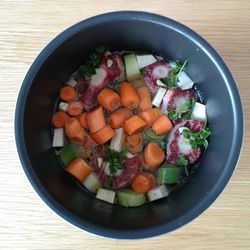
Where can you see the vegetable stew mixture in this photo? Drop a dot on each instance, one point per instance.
(129, 126)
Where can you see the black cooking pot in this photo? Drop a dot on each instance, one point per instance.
(137, 31)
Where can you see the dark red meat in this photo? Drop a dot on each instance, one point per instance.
(154, 72)
(132, 167)
(178, 145)
(111, 69)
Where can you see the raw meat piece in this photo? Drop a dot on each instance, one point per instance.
(154, 72)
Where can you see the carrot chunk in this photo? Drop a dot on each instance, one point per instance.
(145, 98)
(79, 169)
(134, 125)
(75, 108)
(109, 99)
(118, 117)
(162, 125)
(95, 120)
(72, 127)
(150, 115)
(67, 94)
(143, 183)
(103, 135)
(129, 95)
(153, 156)
(59, 119)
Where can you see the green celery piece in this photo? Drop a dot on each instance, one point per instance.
(150, 136)
(132, 68)
(128, 198)
(169, 174)
(68, 153)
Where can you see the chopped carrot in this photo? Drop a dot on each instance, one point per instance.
(72, 127)
(80, 137)
(96, 120)
(118, 117)
(59, 119)
(67, 94)
(109, 99)
(75, 108)
(79, 169)
(134, 143)
(150, 115)
(162, 125)
(143, 183)
(103, 135)
(145, 98)
(129, 95)
(82, 118)
(153, 156)
(134, 125)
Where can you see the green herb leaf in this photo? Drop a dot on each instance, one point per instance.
(176, 68)
(182, 161)
(88, 69)
(183, 112)
(143, 72)
(163, 144)
(197, 138)
(114, 85)
(115, 159)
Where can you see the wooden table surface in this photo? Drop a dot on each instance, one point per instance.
(25, 28)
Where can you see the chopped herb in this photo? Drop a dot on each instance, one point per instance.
(88, 69)
(183, 162)
(171, 80)
(197, 138)
(184, 112)
(115, 159)
(143, 72)
(115, 85)
(163, 145)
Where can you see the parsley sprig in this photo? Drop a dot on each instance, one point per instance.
(183, 162)
(183, 112)
(115, 159)
(197, 138)
(88, 69)
(176, 68)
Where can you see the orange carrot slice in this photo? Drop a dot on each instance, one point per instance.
(103, 135)
(79, 169)
(118, 117)
(134, 143)
(80, 137)
(82, 118)
(72, 127)
(153, 156)
(96, 120)
(129, 95)
(150, 115)
(134, 125)
(143, 183)
(145, 98)
(162, 125)
(75, 108)
(59, 119)
(67, 94)
(109, 99)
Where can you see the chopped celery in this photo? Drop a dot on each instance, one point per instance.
(92, 183)
(150, 136)
(132, 68)
(128, 198)
(169, 174)
(68, 154)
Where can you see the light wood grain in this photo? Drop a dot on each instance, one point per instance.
(25, 28)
